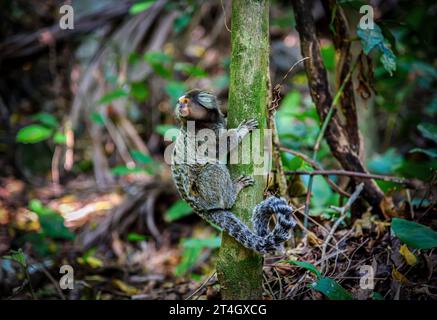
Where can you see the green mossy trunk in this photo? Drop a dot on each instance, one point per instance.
(239, 270)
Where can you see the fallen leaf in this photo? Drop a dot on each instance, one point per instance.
(396, 275)
(410, 258)
(125, 287)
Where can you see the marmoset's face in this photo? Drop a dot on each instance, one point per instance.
(188, 108)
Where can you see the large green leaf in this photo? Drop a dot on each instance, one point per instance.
(33, 133)
(414, 234)
(177, 211)
(330, 288)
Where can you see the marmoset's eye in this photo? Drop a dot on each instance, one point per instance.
(184, 100)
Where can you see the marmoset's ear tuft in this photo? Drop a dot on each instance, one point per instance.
(206, 100)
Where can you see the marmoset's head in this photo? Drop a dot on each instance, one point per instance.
(198, 105)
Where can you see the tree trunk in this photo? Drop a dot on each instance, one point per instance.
(341, 141)
(239, 270)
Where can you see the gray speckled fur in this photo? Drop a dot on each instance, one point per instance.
(210, 191)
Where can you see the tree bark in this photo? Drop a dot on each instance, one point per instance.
(239, 270)
(337, 135)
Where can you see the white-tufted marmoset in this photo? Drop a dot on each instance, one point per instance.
(206, 185)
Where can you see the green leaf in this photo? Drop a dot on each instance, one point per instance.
(163, 128)
(181, 22)
(154, 57)
(305, 265)
(98, 118)
(432, 153)
(135, 237)
(18, 256)
(175, 90)
(113, 95)
(141, 6)
(123, 170)
(428, 130)
(33, 133)
(60, 138)
(385, 163)
(414, 234)
(328, 56)
(46, 119)
(178, 210)
(139, 90)
(160, 62)
(332, 289)
(141, 157)
(189, 258)
(192, 249)
(377, 296)
(373, 38)
(52, 223)
(190, 69)
(211, 243)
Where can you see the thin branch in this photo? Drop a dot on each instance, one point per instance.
(409, 183)
(316, 166)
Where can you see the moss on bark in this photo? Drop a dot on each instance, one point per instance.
(239, 269)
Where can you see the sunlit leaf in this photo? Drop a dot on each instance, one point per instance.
(141, 6)
(60, 138)
(414, 234)
(34, 133)
(410, 258)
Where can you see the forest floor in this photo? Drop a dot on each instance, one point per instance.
(125, 264)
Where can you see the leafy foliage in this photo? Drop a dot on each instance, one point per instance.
(373, 38)
(414, 234)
